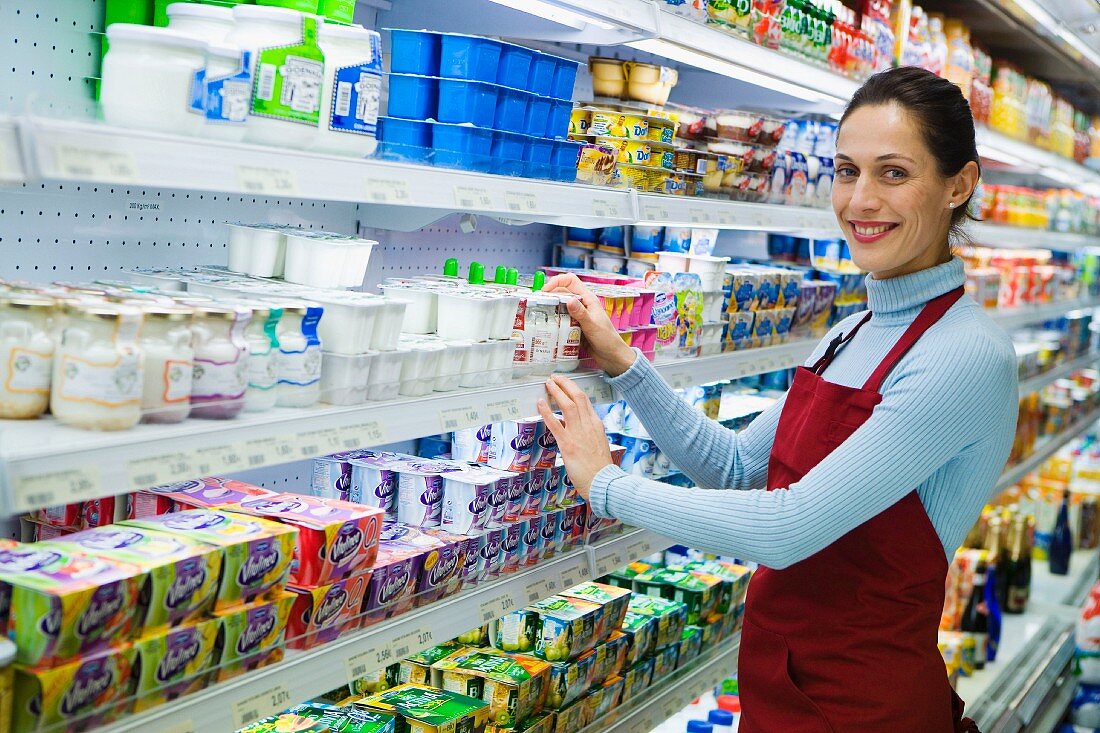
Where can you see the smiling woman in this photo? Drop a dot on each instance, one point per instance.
(866, 475)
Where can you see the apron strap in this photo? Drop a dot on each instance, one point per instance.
(933, 310)
(835, 346)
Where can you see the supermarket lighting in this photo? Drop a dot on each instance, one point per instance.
(1061, 176)
(1048, 21)
(676, 52)
(1000, 156)
(546, 11)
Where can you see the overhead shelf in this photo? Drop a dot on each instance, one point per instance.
(1044, 450)
(1000, 235)
(1018, 154)
(306, 674)
(1061, 371)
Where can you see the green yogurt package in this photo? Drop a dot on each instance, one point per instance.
(314, 717)
(671, 616)
(699, 592)
(422, 709)
(516, 632)
(614, 601)
(640, 631)
(568, 627)
(569, 681)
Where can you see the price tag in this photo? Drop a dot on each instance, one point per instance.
(467, 197)
(161, 469)
(655, 212)
(698, 216)
(496, 607)
(725, 217)
(525, 203)
(574, 575)
(267, 451)
(365, 434)
(536, 590)
(760, 220)
(638, 550)
(57, 487)
(388, 191)
(411, 642)
(361, 664)
(599, 392)
(503, 410)
(605, 208)
(262, 704)
(670, 707)
(680, 380)
(267, 181)
(458, 418)
(112, 166)
(609, 562)
(320, 442)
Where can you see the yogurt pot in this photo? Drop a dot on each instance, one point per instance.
(501, 359)
(422, 306)
(349, 322)
(26, 354)
(475, 365)
(531, 542)
(498, 500)
(351, 91)
(466, 501)
(471, 445)
(511, 546)
(344, 378)
(169, 363)
(515, 488)
(466, 315)
(387, 330)
(513, 444)
(552, 535)
(384, 377)
(263, 344)
(420, 369)
(534, 491)
(257, 250)
(298, 361)
(374, 481)
(452, 364)
(491, 553)
(420, 491)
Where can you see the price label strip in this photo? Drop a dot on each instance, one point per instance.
(95, 165)
(363, 435)
(698, 216)
(503, 410)
(609, 562)
(574, 575)
(411, 642)
(267, 451)
(680, 380)
(261, 705)
(605, 208)
(458, 418)
(496, 607)
(656, 212)
(467, 197)
(162, 469)
(381, 191)
(267, 181)
(638, 550)
(318, 442)
(219, 459)
(598, 391)
(521, 203)
(57, 487)
(360, 665)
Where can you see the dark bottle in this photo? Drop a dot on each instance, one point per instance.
(1061, 541)
(975, 618)
(1018, 568)
(994, 545)
(993, 610)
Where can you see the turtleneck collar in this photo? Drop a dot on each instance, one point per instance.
(906, 292)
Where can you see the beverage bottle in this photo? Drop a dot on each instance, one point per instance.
(993, 610)
(993, 541)
(975, 618)
(1018, 568)
(722, 721)
(1061, 541)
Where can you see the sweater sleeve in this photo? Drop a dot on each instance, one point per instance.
(954, 403)
(711, 455)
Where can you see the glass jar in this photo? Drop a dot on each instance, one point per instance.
(26, 355)
(567, 355)
(220, 376)
(351, 91)
(169, 361)
(263, 345)
(299, 359)
(540, 332)
(97, 368)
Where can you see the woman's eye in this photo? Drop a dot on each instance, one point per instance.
(846, 172)
(895, 174)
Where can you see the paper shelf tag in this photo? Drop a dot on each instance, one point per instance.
(261, 705)
(267, 181)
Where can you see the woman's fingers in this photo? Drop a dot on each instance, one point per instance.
(553, 424)
(562, 400)
(571, 389)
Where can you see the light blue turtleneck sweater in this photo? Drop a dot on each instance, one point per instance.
(944, 427)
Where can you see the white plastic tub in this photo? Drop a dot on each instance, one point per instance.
(420, 314)
(326, 261)
(344, 380)
(710, 340)
(387, 330)
(384, 374)
(710, 270)
(465, 315)
(501, 356)
(421, 369)
(672, 262)
(476, 363)
(712, 305)
(504, 315)
(257, 250)
(451, 368)
(350, 321)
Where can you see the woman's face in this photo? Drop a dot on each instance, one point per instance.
(888, 195)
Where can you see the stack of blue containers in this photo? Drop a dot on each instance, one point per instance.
(479, 104)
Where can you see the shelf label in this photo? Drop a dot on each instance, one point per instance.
(161, 469)
(468, 197)
(598, 391)
(680, 380)
(114, 166)
(57, 487)
(261, 705)
(267, 181)
(381, 191)
(411, 642)
(361, 664)
(363, 435)
(320, 442)
(458, 418)
(698, 216)
(655, 212)
(574, 575)
(496, 607)
(536, 590)
(503, 410)
(525, 203)
(638, 550)
(219, 459)
(725, 217)
(606, 563)
(605, 208)
(268, 451)
(670, 707)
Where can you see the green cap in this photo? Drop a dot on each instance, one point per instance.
(501, 277)
(477, 273)
(538, 281)
(513, 276)
(450, 267)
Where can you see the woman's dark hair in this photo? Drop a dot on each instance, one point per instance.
(942, 115)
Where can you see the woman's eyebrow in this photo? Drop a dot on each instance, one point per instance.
(887, 156)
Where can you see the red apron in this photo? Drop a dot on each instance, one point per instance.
(846, 640)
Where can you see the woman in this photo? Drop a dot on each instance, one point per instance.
(854, 489)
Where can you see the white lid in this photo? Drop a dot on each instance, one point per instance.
(224, 50)
(199, 10)
(346, 32)
(150, 34)
(270, 14)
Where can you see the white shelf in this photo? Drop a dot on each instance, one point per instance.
(1060, 171)
(46, 463)
(1000, 235)
(1010, 318)
(1044, 450)
(1050, 376)
(306, 674)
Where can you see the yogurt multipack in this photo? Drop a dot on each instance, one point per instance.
(441, 575)
(204, 493)
(321, 614)
(420, 490)
(358, 476)
(336, 538)
(317, 717)
(474, 498)
(513, 445)
(174, 663)
(423, 709)
(181, 574)
(402, 551)
(93, 689)
(256, 552)
(250, 633)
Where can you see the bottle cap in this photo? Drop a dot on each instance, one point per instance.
(513, 276)
(699, 726)
(477, 273)
(538, 281)
(450, 267)
(720, 717)
(732, 703)
(501, 276)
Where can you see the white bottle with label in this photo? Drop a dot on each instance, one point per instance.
(298, 363)
(226, 90)
(26, 355)
(169, 361)
(294, 88)
(97, 370)
(541, 332)
(263, 344)
(220, 375)
(352, 90)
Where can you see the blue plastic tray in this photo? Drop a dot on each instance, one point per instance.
(468, 57)
(536, 153)
(557, 125)
(537, 116)
(507, 153)
(564, 158)
(565, 77)
(462, 146)
(413, 97)
(515, 65)
(467, 101)
(404, 139)
(540, 80)
(511, 110)
(414, 52)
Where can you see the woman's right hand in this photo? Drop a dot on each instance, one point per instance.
(604, 342)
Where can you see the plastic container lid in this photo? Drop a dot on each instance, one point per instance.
(539, 281)
(732, 703)
(268, 13)
(501, 276)
(513, 276)
(152, 34)
(346, 32)
(720, 717)
(450, 267)
(699, 726)
(224, 50)
(477, 273)
(199, 10)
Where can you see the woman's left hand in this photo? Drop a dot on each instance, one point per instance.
(581, 438)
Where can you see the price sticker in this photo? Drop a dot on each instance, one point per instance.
(725, 217)
(655, 212)
(760, 220)
(161, 469)
(89, 164)
(468, 197)
(364, 434)
(458, 418)
(496, 607)
(670, 707)
(359, 665)
(261, 705)
(536, 590)
(680, 380)
(521, 203)
(503, 410)
(698, 216)
(267, 181)
(574, 575)
(639, 549)
(388, 191)
(605, 208)
(266, 451)
(599, 392)
(318, 442)
(57, 487)
(609, 562)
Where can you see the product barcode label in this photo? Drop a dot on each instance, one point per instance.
(361, 664)
(261, 705)
(266, 451)
(267, 181)
(521, 202)
(598, 391)
(342, 107)
(458, 418)
(468, 197)
(318, 442)
(88, 164)
(388, 191)
(536, 590)
(655, 212)
(725, 217)
(574, 575)
(363, 435)
(605, 208)
(638, 550)
(265, 87)
(680, 380)
(161, 469)
(502, 410)
(57, 487)
(698, 216)
(496, 607)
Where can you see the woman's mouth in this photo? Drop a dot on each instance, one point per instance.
(868, 232)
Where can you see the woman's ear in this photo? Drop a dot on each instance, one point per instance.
(962, 184)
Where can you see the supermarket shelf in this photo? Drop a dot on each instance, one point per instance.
(1050, 376)
(1010, 318)
(1066, 590)
(46, 463)
(1061, 171)
(306, 674)
(1055, 706)
(676, 691)
(999, 235)
(1045, 450)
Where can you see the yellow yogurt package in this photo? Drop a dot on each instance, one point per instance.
(78, 695)
(65, 604)
(251, 630)
(181, 574)
(174, 663)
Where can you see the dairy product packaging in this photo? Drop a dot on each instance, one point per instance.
(699, 592)
(417, 668)
(251, 632)
(535, 489)
(396, 572)
(610, 657)
(513, 444)
(471, 445)
(98, 685)
(65, 604)
(636, 679)
(175, 662)
(374, 481)
(555, 488)
(515, 497)
(336, 539)
(420, 490)
(531, 541)
(640, 632)
(256, 552)
(318, 716)
(441, 575)
(514, 687)
(511, 545)
(567, 627)
(615, 602)
(205, 493)
(490, 553)
(423, 709)
(691, 645)
(322, 614)
(569, 681)
(552, 533)
(181, 575)
(733, 581)
(332, 476)
(546, 450)
(466, 500)
(671, 616)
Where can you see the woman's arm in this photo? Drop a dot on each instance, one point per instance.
(711, 455)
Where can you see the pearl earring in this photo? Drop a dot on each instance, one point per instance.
(951, 205)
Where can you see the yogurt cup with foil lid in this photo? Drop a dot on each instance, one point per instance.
(466, 496)
(374, 482)
(513, 446)
(420, 491)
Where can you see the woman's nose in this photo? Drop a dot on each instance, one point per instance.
(865, 195)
